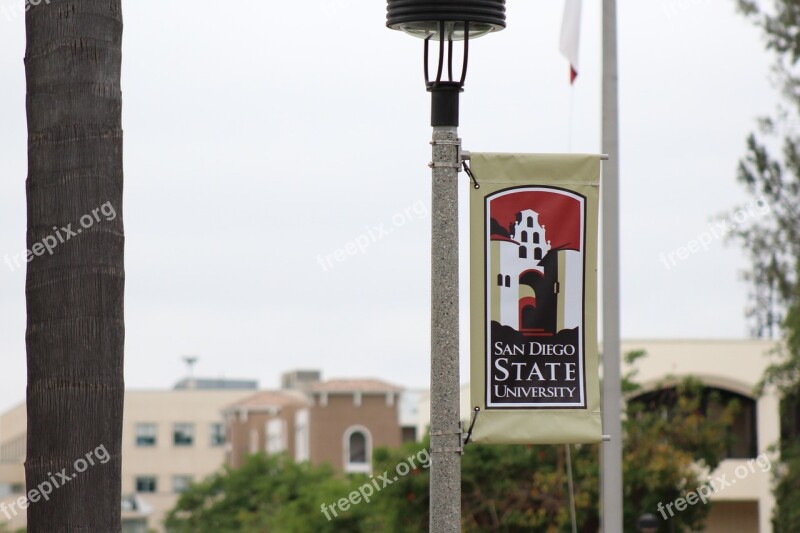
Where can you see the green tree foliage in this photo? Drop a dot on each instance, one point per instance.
(785, 376)
(770, 173)
(524, 488)
(663, 446)
(504, 488)
(786, 516)
(771, 169)
(403, 506)
(267, 493)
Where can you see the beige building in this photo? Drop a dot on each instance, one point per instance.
(170, 439)
(13, 431)
(731, 368)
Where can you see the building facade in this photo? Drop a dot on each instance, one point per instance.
(170, 439)
(730, 369)
(173, 438)
(338, 422)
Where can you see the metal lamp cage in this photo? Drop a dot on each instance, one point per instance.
(424, 18)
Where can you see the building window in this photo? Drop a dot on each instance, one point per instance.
(742, 434)
(276, 436)
(146, 484)
(499, 280)
(302, 450)
(530, 222)
(183, 434)
(146, 435)
(535, 237)
(523, 252)
(13, 451)
(524, 236)
(508, 281)
(217, 432)
(357, 450)
(181, 483)
(537, 254)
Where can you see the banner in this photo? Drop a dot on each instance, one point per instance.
(533, 287)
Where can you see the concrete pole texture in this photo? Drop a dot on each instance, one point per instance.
(611, 468)
(445, 470)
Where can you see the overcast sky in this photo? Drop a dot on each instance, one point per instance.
(262, 136)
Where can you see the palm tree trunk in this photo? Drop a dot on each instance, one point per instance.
(76, 277)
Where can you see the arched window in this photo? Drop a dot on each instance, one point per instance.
(357, 450)
(508, 281)
(530, 222)
(524, 236)
(537, 254)
(523, 252)
(742, 432)
(499, 280)
(535, 237)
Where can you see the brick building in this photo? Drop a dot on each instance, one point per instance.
(337, 421)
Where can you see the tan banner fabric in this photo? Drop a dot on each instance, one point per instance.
(533, 290)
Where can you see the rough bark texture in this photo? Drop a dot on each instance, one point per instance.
(75, 330)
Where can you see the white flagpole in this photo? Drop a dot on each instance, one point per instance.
(611, 468)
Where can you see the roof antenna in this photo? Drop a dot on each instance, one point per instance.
(190, 361)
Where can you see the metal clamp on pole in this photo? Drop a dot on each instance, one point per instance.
(440, 433)
(443, 142)
(459, 432)
(459, 450)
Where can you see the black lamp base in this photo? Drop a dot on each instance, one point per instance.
(444, 102)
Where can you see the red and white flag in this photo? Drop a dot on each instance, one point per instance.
(570, 35)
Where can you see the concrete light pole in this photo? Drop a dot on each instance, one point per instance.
(445, 488)
(445, 21)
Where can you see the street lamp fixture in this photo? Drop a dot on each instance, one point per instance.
(445, 21)
(423, 18)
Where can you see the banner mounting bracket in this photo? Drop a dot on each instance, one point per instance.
(446, 142)
(447, 449)
(475, 414)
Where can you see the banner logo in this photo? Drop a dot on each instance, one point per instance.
(535, 279)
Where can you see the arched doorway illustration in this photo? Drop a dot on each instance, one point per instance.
(537, 304)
